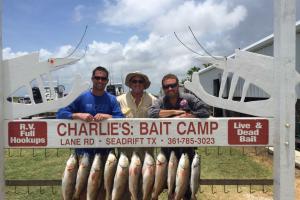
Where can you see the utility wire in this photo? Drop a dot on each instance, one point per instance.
(202, 47)
(186, 45)
(77, 46)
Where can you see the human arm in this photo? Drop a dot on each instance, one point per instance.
(153, 110)
(67, 112)
(156, 111)
(171, 113)
(74, 111)
(198, 107)
(116, 110)
(70, 112)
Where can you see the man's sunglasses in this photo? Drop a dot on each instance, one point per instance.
(137, 81)
(98, 78)
(172, 86)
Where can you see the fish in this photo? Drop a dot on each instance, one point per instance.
(82, 175)
(172, 168)
(195, 175)
(148, 174)
(95, 178)
(109, 173)
(160, 175)
(135, 169)
(121, 178)
(182, 176)
(69, 177)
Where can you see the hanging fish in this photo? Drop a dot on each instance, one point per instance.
(182, 176)
(109, 174)
(82, 175)
(135, 169)
(148, 174)
(195, 175)
(69, 177)
(172, 168)
(95, 178)
(121, 178)
(160, 175)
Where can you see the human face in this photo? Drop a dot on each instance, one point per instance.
(137, 84)
(170, 87)
(100, 80)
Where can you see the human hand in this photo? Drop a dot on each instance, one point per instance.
(101, 116)
(187, 115)
(83, 116)
(178, 113)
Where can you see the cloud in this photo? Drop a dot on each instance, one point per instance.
(207, 17)
(166, 16)
(77, 13)
(133, 12)
(210, 20)
(9, 54)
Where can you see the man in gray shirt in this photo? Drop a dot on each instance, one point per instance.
(180, 105)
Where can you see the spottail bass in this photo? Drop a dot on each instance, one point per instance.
(148, 174)
(182, 176)
(82, 176)
(172, 168)
(160, 175)
(69, 178)
(135, 169)
(195, 175)
(109, 174)
(121, 178)
(95, 177)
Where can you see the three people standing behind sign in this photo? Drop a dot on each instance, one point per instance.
(135, 104)
(180, 105)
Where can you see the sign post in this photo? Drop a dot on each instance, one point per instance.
(284, 69)
(2, 191)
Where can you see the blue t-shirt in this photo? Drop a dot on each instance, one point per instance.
(87, 102)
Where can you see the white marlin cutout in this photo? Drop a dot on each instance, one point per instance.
(22, 70)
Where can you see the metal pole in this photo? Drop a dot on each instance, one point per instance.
(284, 68)
(2, 186)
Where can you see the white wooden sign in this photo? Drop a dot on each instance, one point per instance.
(139, 133)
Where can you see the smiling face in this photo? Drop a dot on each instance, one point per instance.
(99, 80)
(170, 86)
(137, 84)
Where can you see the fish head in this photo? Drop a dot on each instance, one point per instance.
(149, 159)
(184, 161)
(123, 161)
(111, 159)
(72, 162)
(161, 159)
(85, 160)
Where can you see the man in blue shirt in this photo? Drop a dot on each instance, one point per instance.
(93, 105)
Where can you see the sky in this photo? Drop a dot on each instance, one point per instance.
(132, 35)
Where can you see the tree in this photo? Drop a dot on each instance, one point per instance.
(193, 69)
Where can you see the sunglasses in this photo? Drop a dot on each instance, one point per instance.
(137, 81)
(172, 86)
(98, 78)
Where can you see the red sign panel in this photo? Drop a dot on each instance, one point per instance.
(243, 132)
(25, 134)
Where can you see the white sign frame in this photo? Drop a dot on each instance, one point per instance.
(283, 107)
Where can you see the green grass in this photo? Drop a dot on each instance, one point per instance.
(222, 163)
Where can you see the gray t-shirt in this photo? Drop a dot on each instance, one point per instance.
(187, 102)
